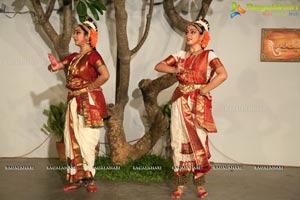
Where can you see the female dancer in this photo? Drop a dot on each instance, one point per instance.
(191, 117)
(85, 73)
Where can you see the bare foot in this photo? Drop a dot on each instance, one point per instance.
(177, 193)
(91, 187)
(201, 192)
(72, 186)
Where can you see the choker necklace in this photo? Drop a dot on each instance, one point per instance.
(84, 52)
(195, 52)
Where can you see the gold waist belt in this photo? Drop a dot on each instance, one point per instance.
(188, 88)
(77, 92)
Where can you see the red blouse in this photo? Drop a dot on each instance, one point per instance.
(82, 71)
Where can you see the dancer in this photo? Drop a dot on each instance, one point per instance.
(86, 72)
(191, 117)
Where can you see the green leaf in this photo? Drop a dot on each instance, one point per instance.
(93, 11)
(46, 112)
(99, 6)
(81, 9)
(56, 120)
(81, 18)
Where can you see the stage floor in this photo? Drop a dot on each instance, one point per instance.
(35, 180)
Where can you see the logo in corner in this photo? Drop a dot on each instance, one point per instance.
(236, 9)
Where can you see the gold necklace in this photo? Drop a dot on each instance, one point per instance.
(195, 52)
(84, 52)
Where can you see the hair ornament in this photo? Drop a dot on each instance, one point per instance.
(91, 28)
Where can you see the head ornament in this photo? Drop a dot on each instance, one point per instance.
(90, 26)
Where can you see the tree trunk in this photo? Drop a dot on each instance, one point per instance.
(119, 148)
(121, 151)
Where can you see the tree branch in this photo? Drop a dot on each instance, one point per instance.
(65, 37)
(124, 56)
(50, 9)
(144, 37)
(67, 23)
(43, 21)
(159, 123)
(175, 19)
(204, 8)
(150, 90)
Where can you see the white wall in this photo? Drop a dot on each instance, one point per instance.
(256, 110)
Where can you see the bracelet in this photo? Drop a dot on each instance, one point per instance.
(50, 69)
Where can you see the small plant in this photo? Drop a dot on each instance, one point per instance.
(166, 109)
(56, 121)
(149, 168)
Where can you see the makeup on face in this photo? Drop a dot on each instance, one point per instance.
(192, 35)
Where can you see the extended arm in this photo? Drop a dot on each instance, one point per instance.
(55, 64)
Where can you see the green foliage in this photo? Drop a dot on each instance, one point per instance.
(56, 120)
(95, 6)
(166, 109)
(149, 168)
(93, 11)
(81, 10)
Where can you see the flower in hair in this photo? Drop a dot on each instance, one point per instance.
(93, 37)
(205, 40)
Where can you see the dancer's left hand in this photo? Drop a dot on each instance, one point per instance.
(207, 94)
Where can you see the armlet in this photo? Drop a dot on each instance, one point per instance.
(169, 61)
(98, 64)
(215, 64)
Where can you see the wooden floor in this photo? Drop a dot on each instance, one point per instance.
(34, 179)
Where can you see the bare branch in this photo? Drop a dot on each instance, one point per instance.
(143, 39)
(159, 123)
(175, 19)
(43, 21)
(121, 24)
(67, 12)
(66, 35)
(50, 9)
(150, 90)
(204, 8)
(123, 66)
(39, 11)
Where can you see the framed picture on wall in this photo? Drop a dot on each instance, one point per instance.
(280, 45)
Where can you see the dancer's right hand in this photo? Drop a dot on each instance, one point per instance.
(53, 61)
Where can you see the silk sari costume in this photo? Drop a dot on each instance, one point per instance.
(191, 116)
(85, 114)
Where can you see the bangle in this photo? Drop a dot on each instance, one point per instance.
(50, 69)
